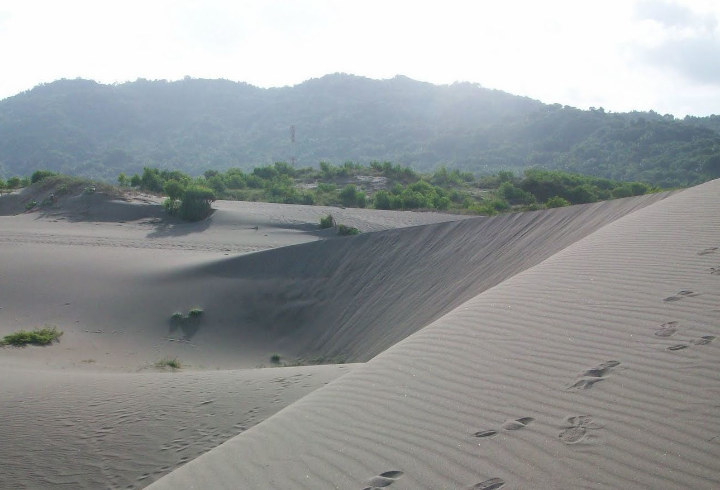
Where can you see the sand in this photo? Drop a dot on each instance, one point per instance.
(93, 411)
(567, 348)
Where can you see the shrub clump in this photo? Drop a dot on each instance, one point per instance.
(39, 336)
(172, 363)
(344, 230)
(195, 313)
(557, 202)
(327, 222)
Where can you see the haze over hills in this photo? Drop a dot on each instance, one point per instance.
(85, 128)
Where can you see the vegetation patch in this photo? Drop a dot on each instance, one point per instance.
(327, 222)
(40, 336)
(195, 313)
(380, 185)
(168, 362)
(344, 230)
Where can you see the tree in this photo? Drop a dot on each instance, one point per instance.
(151, 180)
(122, 180)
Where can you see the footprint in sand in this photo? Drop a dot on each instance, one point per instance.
(681, 295)
(667, 329)
(517, 424)
(514, 424)
(490, 484)
(708, 251)
(594, 375)
(704, 340)
(485, 433)
(715, 271)
(576, 428)
(384, 479)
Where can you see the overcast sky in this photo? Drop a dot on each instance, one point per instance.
(618, 54)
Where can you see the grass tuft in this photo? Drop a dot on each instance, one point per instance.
(39, 336)
(168, 362)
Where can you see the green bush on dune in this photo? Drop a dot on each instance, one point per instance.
(41, 336)
(195, 313)
(172, 363)
(344, 230)
(327, 222)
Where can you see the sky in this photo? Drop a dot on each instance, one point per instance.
(622, 55)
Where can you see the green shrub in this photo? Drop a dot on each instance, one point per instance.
(171, 206)
(13, 182)
(515, 195)
(327, 222)
(195, 203)
(382, 200)
(30, 205)
(350, 196)
(39, 175)
(557, 202)
(344, 230)
(168, 362)
(275, 359)
(42, 336)
(195, 313)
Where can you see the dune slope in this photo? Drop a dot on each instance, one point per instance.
(353, 298)
(596, 368)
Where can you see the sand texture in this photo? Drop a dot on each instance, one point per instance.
(566, 348)
(595, 368)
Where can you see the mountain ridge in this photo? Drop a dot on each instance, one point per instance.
(86, 128)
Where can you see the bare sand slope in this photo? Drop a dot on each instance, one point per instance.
(117, 430)
(597, 368)
(353, 298)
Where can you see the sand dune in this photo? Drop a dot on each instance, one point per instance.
(596, 368)
(566, 348)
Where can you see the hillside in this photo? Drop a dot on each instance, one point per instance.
(85, 128)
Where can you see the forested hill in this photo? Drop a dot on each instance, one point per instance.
(84, 128)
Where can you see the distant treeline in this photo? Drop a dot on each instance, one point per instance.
(80, 127)
(383, 185)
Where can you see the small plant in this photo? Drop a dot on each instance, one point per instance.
(195, 313)
(30, 205)
(327, 222)
(275, 359)
(166, 362)
(41, 336)
(177, 316)
(344, 230)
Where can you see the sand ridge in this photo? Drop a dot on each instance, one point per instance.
(566, 375)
